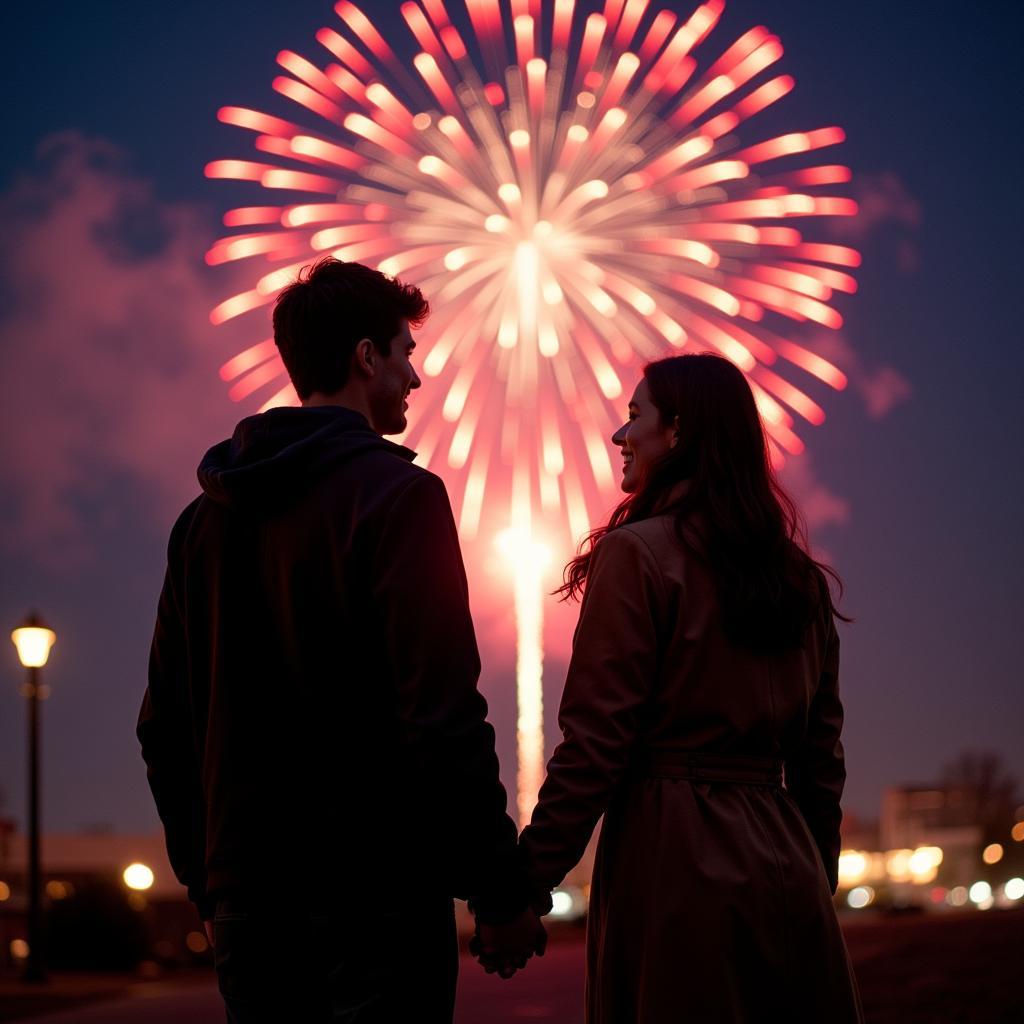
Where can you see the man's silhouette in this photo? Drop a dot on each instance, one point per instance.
(316, 743)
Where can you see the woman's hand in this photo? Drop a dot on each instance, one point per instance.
(503, 949)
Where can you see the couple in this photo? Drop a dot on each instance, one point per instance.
(319, 752)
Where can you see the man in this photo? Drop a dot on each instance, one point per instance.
(315, 740)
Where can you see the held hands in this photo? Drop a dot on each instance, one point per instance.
(504, 949)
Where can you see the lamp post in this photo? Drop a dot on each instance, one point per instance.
(33, 641)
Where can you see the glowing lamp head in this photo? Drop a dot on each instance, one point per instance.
(33, 641)
(138, 877)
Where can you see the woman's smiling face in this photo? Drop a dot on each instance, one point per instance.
(643, 438)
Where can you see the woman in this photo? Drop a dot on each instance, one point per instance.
(705, 661)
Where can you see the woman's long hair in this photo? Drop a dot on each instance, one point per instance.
(733, 515)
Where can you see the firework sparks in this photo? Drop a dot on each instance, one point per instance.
(566, 215)
(573, 205)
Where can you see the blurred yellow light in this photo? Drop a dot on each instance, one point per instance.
(58, 890)
(923, 863)
(980, 892)
(33, 643)
(958, 896)
(1014, 889)
(860, 897)
(561, 903)
(992, 854)
(1018, 832)
(897, 865)
(853, 866)
(19, 949)
(421, 122)
(196, 942)
(5, 892)
(138, 876)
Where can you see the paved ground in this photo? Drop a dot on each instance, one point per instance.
(949, 969)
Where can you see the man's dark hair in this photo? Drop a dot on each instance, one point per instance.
(319, 320)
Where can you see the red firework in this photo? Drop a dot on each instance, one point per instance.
(575, 206)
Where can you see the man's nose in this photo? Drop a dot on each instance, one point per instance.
(416, 382)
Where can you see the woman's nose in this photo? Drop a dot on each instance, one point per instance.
(619, 437)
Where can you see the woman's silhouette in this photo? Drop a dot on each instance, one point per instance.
(704, 666)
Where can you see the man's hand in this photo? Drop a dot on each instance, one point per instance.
(504, 949)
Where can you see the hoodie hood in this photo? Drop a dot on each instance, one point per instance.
(276, 455)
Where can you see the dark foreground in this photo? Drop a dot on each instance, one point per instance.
(950, 969)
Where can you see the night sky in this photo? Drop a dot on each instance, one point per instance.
(110, 392)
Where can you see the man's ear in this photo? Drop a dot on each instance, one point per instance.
(675, 432)
(365, 357)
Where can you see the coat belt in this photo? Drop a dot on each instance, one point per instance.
(697, 766)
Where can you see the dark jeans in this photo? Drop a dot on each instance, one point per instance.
(380, 965)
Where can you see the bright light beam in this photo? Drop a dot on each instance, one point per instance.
(527, 559)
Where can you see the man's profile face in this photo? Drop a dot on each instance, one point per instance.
(391, 384)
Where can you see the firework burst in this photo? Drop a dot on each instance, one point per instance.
(573, 195)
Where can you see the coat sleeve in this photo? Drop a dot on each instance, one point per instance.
(816, 771)
(421, 596)
(166, 733)
(611, 672)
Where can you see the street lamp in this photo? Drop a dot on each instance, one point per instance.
(33, 641)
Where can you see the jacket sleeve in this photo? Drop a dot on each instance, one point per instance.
(168, 746)
(612, 669)
(816, 772)
(422, 598)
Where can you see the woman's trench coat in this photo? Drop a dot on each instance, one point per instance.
(711, 896)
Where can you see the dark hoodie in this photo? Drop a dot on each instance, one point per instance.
(312, 726)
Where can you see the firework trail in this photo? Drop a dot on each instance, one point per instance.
(574, 196)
